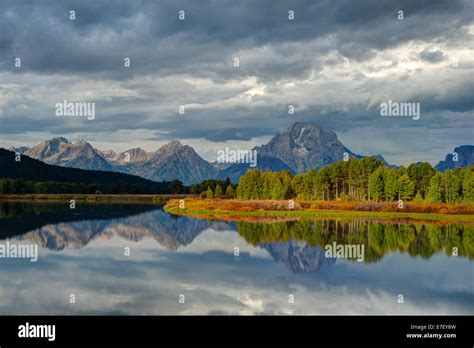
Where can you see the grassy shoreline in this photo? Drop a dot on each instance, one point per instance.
(229, 209)
(219, 209)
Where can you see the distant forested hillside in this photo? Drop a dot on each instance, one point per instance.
(32, 176)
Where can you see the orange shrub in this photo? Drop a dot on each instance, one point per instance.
(235, 205)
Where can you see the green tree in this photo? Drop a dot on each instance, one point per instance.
(218, 191)
(436, 191)
(376, 184)
(227, 182)
(266, 179)
(243, 190)
(176, 186)
(368, 165)
(391, 185)
(229, 192)
(418, 198)
(278, 191)
(299, 187)
(194, 189)
(209, 193)
(468, 185)
(325, 180)
(312, 185)
(250, 184)
(338, 177)
(406, 188)
(286, 179)
(452, 186)
(355, 180)
(420, 174)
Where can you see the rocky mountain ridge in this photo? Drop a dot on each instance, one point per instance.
(301, 147)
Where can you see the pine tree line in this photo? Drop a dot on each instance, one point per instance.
(20, 186)
(214, 188)
(362, 179)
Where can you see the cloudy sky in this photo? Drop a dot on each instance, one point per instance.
(335, 62)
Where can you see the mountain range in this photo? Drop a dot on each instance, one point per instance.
(30, 169)
(301, 147)
(61, 152)
(462, 156)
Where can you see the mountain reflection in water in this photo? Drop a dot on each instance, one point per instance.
(298, 245)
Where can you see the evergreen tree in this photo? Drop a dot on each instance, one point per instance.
(239, 190)
(267, 185)
(338, 172)
(209, 193)
(325, 180)
(376, 184)
(436, 191)
(176, 186)
(254, 187)
(368, 165)
(420, 174)
(452, 187)
(312, 185)
(468, 185)
(278, 191)
(218, 191)
(365, 178)
(298, 185)
(229, 192)
(286, 179)
(355, 178)
(406, 188)
(418, 198)
(391, 185)
(193, 189)
(243, 191)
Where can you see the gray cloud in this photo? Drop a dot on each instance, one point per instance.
(190, 63)
(150, 33)
(432, 56)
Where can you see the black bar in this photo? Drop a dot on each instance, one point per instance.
(261, 330)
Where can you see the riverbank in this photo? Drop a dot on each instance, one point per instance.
(225, 208)
(94, 198)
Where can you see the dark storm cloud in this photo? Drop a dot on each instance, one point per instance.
(59, 54)
(459, 99)
(150, 33)
(249, 124)
(213, 134)
(432, 56)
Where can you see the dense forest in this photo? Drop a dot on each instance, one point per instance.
(362, 179)
(20, 186)
(33, 176)
(214, 188)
